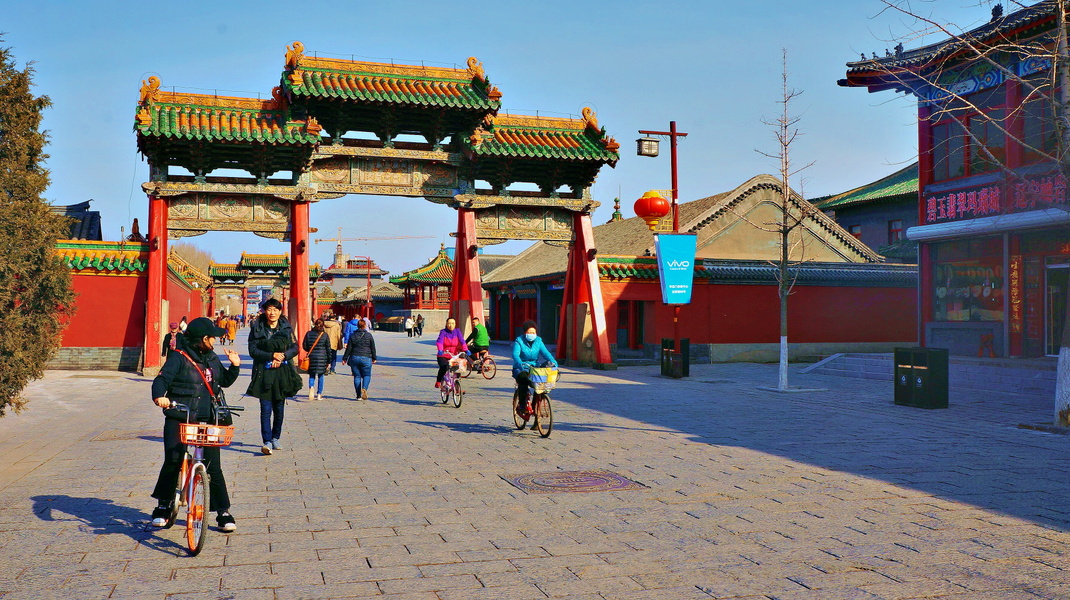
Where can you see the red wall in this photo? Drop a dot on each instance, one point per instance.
(182, 301)
(111, 311)
(725, 314)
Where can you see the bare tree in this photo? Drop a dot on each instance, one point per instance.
(792, 214)
(1044, 97)
(194, 256)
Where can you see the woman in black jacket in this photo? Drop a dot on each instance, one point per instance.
(360, 356)
(272, 345)
(184, 378)
(317, 344)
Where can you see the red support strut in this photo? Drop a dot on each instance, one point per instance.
(582, 288)
(466, 299)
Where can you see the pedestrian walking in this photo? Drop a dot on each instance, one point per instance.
(232, 330)
(409, 324)
(360, 356)
(315, 343)
(273, 346)
(419, 325)
(334, 341)
(185, 378)
(171, 340)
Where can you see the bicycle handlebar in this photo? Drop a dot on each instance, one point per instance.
(230, 407)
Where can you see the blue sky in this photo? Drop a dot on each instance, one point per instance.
(713, 66)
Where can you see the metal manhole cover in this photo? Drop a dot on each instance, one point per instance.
(572, 481)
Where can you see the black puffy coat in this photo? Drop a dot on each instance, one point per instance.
(317, 355)
(273, 384)
(179, 380)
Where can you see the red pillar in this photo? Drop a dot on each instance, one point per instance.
(299, 316)
(466, 295)
(582, 286)
(157, 277)
(244, 304)
(211, 303)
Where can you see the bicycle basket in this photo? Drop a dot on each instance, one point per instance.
(543, 379)
(459, 364)
(204, 434)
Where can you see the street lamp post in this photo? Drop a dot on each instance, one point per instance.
(648, 146)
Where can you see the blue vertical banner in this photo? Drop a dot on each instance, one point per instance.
(676, 266)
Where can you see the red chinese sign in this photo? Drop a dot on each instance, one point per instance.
(1016, 294)
(998, 199)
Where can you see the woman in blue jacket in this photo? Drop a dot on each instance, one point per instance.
(528, 351)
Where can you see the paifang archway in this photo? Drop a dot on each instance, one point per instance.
(300, 130)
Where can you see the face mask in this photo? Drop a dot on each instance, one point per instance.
(530, 337)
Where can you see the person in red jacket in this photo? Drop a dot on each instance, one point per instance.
(450, 342)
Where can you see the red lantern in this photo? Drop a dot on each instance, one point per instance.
(651, 207)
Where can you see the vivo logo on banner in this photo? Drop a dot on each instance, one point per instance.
(676, 257)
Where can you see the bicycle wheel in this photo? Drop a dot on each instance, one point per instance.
(489, 368)
(517, 419)
(458, 394)
(178, 499)
(544, 415)
(444, 390)
(197, 510)
(468, 371)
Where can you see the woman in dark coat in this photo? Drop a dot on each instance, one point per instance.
(272, 345)
(317, 344)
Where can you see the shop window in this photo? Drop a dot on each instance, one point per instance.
(1038, 130)
(895, 231)
(855, 230)
(968, 282)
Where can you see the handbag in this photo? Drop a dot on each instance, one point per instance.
(221, 415)
(303, 362)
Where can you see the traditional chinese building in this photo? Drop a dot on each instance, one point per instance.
(993, 218)
(845, 298)
(252, 271)
(879, 213)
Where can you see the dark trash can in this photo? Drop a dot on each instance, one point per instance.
(675, 363)
(921, 377)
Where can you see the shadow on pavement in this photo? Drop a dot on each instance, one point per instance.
(954, 454)
(466, 427)
(100, 516)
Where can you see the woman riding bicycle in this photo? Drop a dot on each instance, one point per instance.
(450, 343)
(528, 351)
(185, 378)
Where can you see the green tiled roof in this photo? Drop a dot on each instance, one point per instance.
(111, 257)
(900, 183)
(223, 270)
(516, 136)
(206, 118)
(278, 261)
(383, 83)
(439, 271)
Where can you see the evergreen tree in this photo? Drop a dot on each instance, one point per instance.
(35, 285)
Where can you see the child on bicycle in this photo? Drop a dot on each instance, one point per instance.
(528, 349)
(184, 379)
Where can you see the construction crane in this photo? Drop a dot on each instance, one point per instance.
(341, 239)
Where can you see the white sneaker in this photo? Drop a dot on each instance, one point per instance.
(311, 393)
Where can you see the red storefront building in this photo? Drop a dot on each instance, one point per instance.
(993, 217)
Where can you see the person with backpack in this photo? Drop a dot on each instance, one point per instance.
(360, 356)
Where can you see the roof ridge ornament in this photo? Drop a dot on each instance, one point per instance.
(475, 69)
(294, 54)
(589, 117)
(150, 90)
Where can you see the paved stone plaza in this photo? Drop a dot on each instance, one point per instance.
(748, 494)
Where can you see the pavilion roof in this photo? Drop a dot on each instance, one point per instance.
(108, 257)
(438, 271)
(225, 270)
(388, 83)
(895, 71)
(212, 118)
(899, 185)
(262, 261)
(387, 291)
(536, 137)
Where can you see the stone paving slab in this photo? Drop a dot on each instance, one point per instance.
(750, 494)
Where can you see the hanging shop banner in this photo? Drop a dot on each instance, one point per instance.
(676, 266)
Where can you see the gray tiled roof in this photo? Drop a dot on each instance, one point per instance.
(85, 223)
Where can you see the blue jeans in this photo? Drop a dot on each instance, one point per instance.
(317, 380)
(332, 356)
(362, 372)
(269, 408)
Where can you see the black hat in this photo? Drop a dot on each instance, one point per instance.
(203, 326)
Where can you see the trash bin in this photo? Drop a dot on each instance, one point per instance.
(921, 377)
(676, 365)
